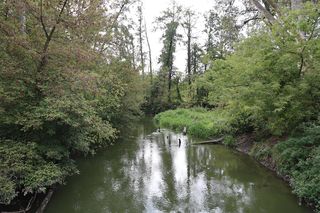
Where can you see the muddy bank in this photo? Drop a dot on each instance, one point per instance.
(246, 143)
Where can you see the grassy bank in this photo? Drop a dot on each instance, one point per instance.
(200, 122)
(295, 157)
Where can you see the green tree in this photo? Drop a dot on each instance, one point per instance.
(169, 23)
(188, 24)
(62, 87)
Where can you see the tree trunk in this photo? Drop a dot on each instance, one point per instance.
(133, 54)
(178, 91)
(170, 67)
(49, 36)
(263, 10)
(141, 41)
(189, 55)
(45, 202)
(150, 55)
(22, 17)
(44, 53)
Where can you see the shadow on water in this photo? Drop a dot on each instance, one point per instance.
(150, 171)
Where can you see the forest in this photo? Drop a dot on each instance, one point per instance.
(73, 72)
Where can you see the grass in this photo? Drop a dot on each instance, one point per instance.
(200, 122)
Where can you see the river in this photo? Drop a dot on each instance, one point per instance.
(147, 171)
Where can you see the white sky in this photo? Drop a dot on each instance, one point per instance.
(153, 8)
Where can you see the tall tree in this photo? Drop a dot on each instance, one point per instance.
(196, 63)
(188, 24)
(221, 30)
(141, 38)
(169, 23)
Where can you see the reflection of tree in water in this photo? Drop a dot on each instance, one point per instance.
(155, 174)
(148, 172)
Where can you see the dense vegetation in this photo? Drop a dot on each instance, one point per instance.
(299, 157)
(63, 86)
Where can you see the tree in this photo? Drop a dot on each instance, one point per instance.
(169, 22)
(149, 53)
(196, 63)
(141, 38)
(221, 30)
(64, 83)
(188, 24)
(271, 9)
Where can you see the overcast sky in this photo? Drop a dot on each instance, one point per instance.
(153, 8)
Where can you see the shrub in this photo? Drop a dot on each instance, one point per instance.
(299, 158)
(229, 140)
(261, 151)
(24, 167)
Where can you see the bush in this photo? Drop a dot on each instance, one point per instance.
(261, 151)
(299, 158)
(25, 168)
(229, 140)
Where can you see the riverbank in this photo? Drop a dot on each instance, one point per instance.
(295, 158)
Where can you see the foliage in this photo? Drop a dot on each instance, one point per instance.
(261, 151)
(270, 81)
(229, 140)
(299, 157)
(61, 89)
(25, 167)
(221, 30)
(199, 122)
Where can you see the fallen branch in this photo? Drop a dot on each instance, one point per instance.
(215, 141)
(45, 202)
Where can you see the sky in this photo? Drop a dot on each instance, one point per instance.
(153, 8)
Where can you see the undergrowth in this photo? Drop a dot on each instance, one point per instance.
(199, 122)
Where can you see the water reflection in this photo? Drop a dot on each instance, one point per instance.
(152, 172)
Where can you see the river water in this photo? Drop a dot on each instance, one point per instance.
(147, 171)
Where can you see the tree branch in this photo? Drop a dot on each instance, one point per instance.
(245, 22)
(302, 61)
(42, 21)
(49, 38)
(264, 11)
(103, 48)
(274, 6)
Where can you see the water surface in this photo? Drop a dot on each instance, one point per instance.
(147, 171)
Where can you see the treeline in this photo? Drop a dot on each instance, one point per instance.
(224, 25)
(258, 74)
(67, 78)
